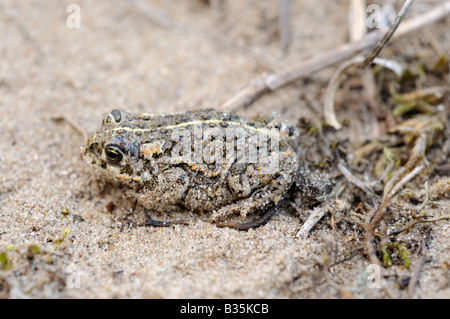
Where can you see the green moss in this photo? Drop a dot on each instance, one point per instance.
(4, 261)
(387, 261)
(442, 65)
(324, 257)
(388, 154)
(60, 240)
(402, 253)
(313, 130)
(421, 72)
(65, 212)
(32, 251)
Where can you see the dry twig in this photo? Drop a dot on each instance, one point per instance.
(421, 220)
(358, 63)
(75, 126)
(387, 36)
(271, 82)
(312, 220)
(284, 25)
(417, 269)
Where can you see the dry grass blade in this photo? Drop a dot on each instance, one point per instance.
(381, 210)
(358, 27)
(417, 155)
(333, 85)
(338, 78)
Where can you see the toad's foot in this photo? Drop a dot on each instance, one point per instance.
(253, 224)
(158, 223)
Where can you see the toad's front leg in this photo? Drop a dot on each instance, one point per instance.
(259, 188)
(166, 191)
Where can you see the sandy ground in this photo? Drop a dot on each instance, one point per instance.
(59, 232)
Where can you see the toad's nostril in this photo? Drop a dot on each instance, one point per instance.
(93, 146)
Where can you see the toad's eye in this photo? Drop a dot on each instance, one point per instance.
(114, 154)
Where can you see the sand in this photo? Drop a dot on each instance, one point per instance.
(65, 234)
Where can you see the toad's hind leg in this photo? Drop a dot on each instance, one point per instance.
(253, 224)
(266, 200)
(158, 223)
(260, 186)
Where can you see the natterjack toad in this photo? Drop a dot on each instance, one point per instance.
(201, 161)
